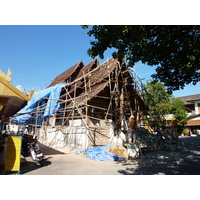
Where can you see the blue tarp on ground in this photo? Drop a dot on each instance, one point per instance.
(98, 153)
(53, 93)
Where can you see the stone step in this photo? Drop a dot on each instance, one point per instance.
(144, 149)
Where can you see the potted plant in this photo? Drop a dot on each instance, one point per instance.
(3, 137)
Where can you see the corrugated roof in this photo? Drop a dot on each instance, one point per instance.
(96, 77)
(95, 89)
(84, 70)
(190, 98)
(88, 68)
(103, 71)
(69, 73)
(95, 73)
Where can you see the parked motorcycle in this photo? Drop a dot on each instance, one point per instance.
(167, 141)
(33, 149)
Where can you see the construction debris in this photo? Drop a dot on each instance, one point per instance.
(119, 150)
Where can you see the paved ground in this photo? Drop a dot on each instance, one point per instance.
(182, 162)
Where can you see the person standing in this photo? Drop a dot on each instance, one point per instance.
(131, 134)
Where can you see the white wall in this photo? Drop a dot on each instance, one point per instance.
(116, 140)
(196, 107)
(69, 138)
(65, 137)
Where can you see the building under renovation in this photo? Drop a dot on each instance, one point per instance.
(86, 106)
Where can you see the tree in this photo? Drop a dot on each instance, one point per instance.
(157, 99)
(179, 111)
(174, 49)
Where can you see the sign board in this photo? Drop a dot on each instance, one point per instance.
(13, 153)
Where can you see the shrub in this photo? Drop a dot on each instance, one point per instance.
(186, 131)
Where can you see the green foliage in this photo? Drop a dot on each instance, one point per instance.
(185, 131)
(145, 120)
(175, 49)
(179, 111)
(157, 99)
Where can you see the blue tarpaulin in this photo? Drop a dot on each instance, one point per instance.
(52, 93)
(98, 153)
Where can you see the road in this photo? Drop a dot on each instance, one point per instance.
(182, 162)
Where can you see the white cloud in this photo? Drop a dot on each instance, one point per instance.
(19, 87)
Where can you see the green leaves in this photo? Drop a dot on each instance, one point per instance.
(85, 26)
(157, 99)
(174, 49)
(179, 110)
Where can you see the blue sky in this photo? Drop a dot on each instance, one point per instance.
(37, 54)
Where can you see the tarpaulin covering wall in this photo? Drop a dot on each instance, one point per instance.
(51, 95)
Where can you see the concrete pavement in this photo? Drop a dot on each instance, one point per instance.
(182, 162)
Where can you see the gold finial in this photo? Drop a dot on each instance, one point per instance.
(31, 94)
(9, 73)
(7, 76)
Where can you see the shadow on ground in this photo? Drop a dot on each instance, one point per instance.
(186, 161)
(49, 151)
(30, 165)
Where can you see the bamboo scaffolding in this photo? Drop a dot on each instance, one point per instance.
(86, 93)
(89, 73)
(116, 81)
(111, 99)
(41, 108)
(64, 121)
(126, 92)
(102, 97)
